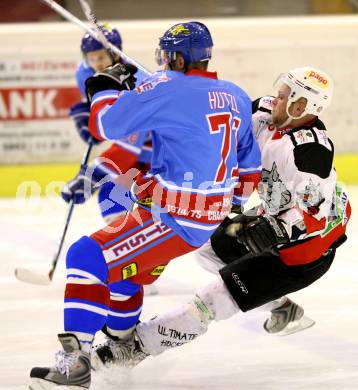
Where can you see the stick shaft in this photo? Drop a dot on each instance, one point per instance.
(68, 218)
(72, 18)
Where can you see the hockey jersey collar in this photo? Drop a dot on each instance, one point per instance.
(202, 73)
(280, 132)
(315, 122)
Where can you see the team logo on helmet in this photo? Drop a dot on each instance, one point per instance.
(179, 29)
(107, 26)
(317, 79)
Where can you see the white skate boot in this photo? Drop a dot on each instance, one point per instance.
(287, 319)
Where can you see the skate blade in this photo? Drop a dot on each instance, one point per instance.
(40, 384)
(296, 326)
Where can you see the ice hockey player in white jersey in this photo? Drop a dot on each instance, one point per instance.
(282, 246)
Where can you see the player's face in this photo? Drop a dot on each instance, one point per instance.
(99, 59)
(279, 104)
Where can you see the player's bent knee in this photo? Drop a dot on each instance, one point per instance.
(86, 255)
(254, 280)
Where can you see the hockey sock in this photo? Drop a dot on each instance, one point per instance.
(126, 300)
(216, 297)
(171, 329)
(86, 295)
(186, 322)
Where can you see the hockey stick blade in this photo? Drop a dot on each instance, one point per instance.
(27, 276)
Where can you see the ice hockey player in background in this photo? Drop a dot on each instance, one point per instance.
(181, 201)
(282, 246)
(123, 154)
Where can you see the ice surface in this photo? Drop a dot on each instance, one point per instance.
(234, 354)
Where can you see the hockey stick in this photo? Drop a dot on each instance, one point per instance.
(28, 276)
(91, 18)
(93, 32)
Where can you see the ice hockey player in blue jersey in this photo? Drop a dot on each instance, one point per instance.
(202, 146)
(123, 154)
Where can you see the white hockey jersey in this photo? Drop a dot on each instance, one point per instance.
(299, 184)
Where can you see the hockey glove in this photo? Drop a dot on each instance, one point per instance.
(80, 113)
(259, 233)
(119, 77)
(236, 209)
(81, 187)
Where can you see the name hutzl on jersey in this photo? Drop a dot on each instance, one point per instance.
(220, 99)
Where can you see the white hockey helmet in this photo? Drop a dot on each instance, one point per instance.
(310, 83)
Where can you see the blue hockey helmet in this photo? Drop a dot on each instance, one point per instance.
(193, 40)
(89, 44)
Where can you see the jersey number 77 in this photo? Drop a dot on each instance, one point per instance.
(224, 123)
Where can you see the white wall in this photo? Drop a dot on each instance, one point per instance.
(248, 51)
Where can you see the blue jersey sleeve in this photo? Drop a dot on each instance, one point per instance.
(141, 77)
(140, 110)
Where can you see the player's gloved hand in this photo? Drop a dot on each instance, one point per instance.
(258, 233)
(80, 113)
(119, 77)
(236, 209)
(81, 187)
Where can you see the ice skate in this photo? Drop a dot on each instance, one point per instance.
(124, 353)
(71, 370)
(287, 319)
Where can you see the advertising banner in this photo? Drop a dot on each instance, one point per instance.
(35, 96)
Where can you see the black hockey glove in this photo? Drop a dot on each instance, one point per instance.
(258, 233)
(119, 77)
(236, 209)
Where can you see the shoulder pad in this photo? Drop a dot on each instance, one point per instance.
(314, 158)
(262, 104)
(316, 135)
(302, 136)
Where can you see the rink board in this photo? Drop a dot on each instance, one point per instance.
(39, 61)
(46, 180)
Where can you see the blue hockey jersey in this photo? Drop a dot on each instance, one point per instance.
(202, 136)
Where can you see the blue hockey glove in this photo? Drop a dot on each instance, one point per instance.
(80, 113)
(119, 77)
(81, 187)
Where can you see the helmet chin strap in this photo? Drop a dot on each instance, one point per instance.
(290, 117)
(286, 122)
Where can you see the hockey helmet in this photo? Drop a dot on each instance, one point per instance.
(310, 83)
(89, 44)
(193, 40)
